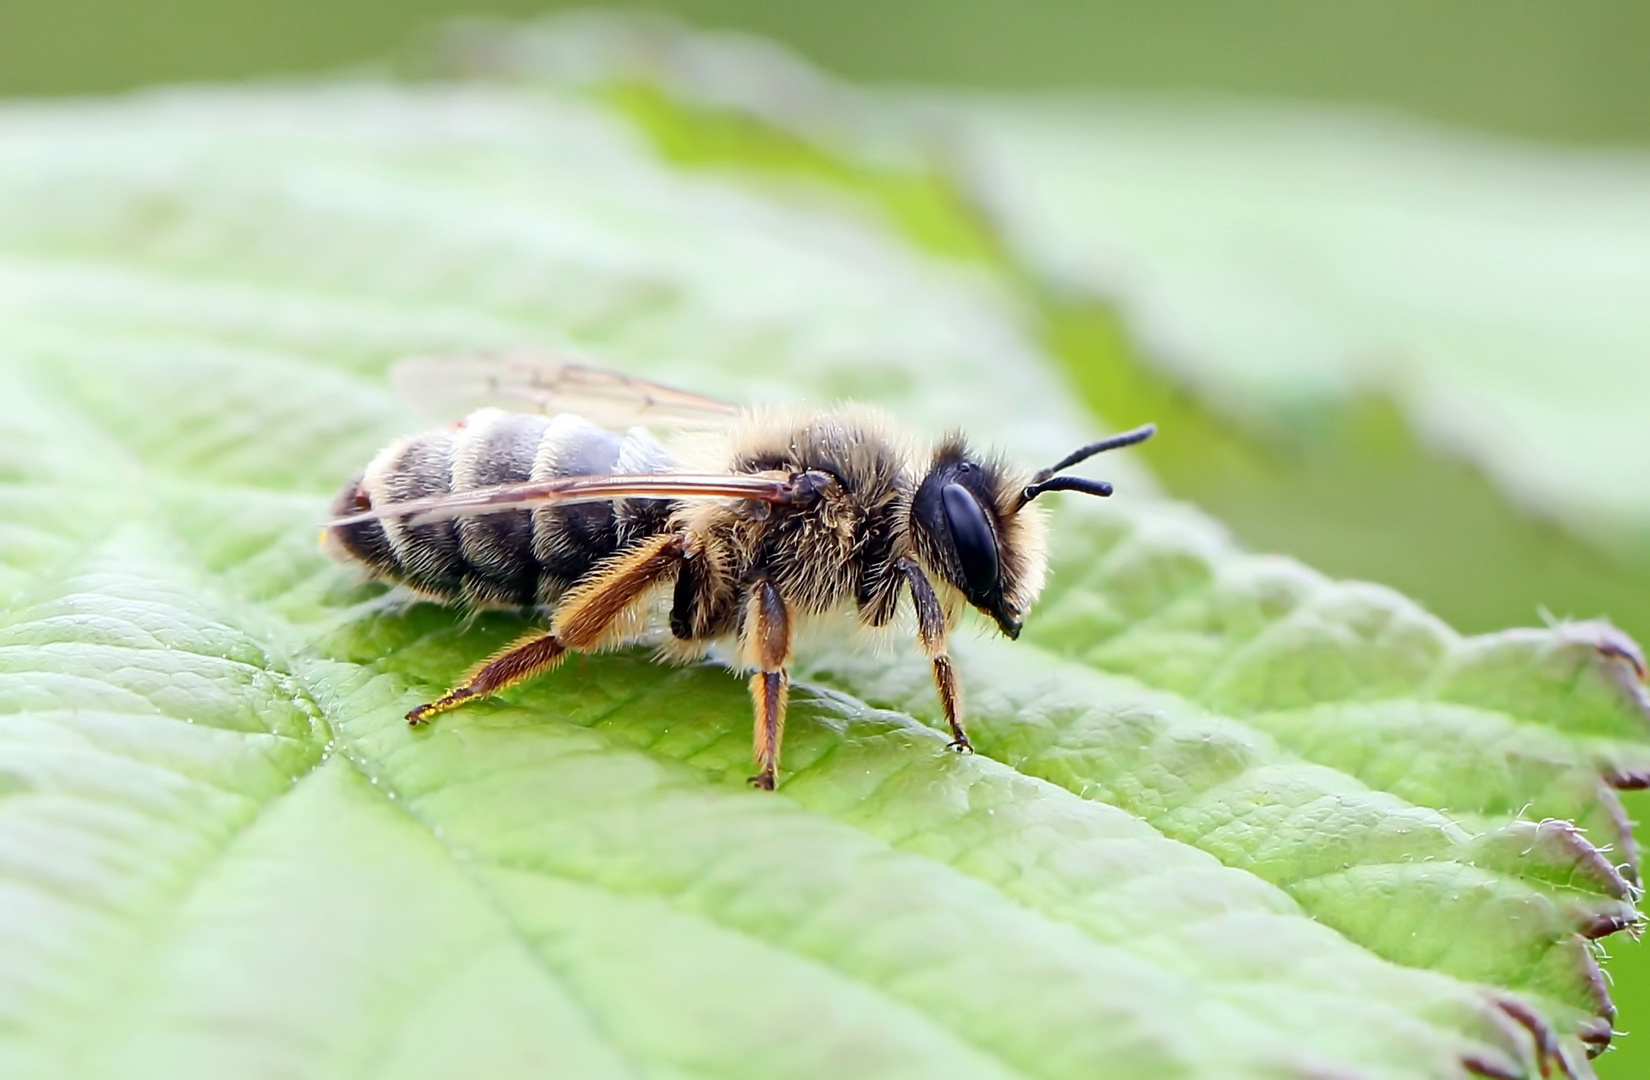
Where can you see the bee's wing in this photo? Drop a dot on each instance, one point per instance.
(448, 387)
(576, 489)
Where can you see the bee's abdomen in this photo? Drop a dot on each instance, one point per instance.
(514, 557)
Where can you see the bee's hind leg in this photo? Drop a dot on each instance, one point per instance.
(529, 656)
(766, 640)
(931, 633)
(582, 622)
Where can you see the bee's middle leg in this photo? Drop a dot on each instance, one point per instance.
(582, 622)
(767, 648)
(931, 632)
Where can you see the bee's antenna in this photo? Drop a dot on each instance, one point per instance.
(1116, 442)
(1046, 480)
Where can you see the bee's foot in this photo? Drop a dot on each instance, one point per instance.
(765, 781)
(961, 745)
(423, 713)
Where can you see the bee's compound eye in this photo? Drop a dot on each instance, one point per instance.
(971, 534)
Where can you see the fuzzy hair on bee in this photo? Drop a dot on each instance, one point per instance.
(752, 524)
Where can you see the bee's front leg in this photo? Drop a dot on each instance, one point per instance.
(766, 641)
(931, 631)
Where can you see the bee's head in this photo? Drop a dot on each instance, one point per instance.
(974, 526)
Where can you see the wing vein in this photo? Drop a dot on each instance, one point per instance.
(575, 489)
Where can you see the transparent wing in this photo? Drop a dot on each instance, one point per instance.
(445, 388)
(576, 489)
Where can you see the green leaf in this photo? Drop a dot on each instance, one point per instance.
(1379, 337)
(1229, 818)
(1486, 286)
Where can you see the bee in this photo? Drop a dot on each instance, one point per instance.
(564, 502)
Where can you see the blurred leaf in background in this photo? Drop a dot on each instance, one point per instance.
(1564, 72)
(1431, 341)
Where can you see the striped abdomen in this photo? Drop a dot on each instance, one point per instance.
(516, 557)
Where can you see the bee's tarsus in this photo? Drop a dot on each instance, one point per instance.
(767, 647)
(931, 633)
(450, 700)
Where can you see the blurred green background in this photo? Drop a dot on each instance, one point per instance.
(1571, 72)
(1557, 73)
